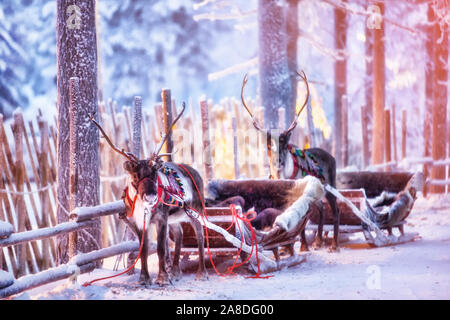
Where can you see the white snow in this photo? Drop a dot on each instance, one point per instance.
(5, 229)
(414, 270)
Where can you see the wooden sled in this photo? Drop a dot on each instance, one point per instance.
(286, 229)
(357, 188)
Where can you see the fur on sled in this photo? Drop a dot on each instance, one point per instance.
(258, 193)
(389, 208)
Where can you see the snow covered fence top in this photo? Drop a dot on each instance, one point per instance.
(86, 213)
(81, 218)
(6, 229)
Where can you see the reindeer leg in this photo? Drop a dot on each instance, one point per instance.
(202, 274)
(333, 204)
(317, 244)
(176, 234)
(161, 247)
(144, 277)
(304, 243)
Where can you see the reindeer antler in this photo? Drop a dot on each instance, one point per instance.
(255, 121)
(164, 138)
(126, 154)
(294, 123)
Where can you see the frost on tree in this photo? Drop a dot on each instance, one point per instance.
(77, 57)
(274, 76)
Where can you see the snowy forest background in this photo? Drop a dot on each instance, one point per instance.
(196, 48)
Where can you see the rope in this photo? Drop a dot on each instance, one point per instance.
(88, 283)
(234, 220)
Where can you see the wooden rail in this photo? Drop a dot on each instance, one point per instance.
(81, 218)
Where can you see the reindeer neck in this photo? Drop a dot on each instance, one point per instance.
(289, 165)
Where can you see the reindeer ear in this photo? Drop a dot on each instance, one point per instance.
(129, 166)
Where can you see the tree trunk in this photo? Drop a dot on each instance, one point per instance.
(77, 56)
(340, 80)
(368, 83)
(429, 82)
(275, 82)
(439, 136)
(292, 38)
(378, 90)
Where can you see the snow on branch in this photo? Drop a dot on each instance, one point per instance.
(234, 13)
(334, 54)
(226, 16)
(348, 8)
(233, 69)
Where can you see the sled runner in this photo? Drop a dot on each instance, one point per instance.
(384, 198)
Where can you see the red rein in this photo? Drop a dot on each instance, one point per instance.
(235, 216)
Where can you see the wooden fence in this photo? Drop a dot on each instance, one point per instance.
(217, 139)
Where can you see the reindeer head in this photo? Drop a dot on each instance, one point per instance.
(277, 143)
(143, 173)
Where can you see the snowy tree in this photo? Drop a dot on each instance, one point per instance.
(340, 82)
(77, 57)
(27, 53)
(12, 68)
(274, 77)
(149, 45)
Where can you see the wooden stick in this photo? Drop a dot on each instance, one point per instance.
(235, 148)
(19, 202)
(207, 154)
(387, 138)
(137, 125)
(403, 133)
(32, 281)
(167, 121)
(394, 133)
(365, 137)
(344, 139)
(44, 195)
(74, 189)
(127, 113)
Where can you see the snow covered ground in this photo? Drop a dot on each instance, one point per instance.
(415, 270)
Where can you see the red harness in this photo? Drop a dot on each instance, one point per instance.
(296, 166)
(174, 199)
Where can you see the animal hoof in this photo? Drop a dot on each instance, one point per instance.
(145, 281)
(163, 280)
(304, 248)
(202, 275)
(334, 249)
(317, 244)
(176, 273)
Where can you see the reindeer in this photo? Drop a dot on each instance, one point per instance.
(162, 193)
(287, 161)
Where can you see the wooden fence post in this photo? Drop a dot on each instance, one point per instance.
(365, 137)
(19, 201)
(387, 138)
(207, 152)
(74, 149)
(235, 148)
(404, 133)
(44, 195)
(394, 132)
(84, 164)
(137, 120)
(344, 128)
(167, 121)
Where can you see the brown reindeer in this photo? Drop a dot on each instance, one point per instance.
(162, 193)
(287, 161)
